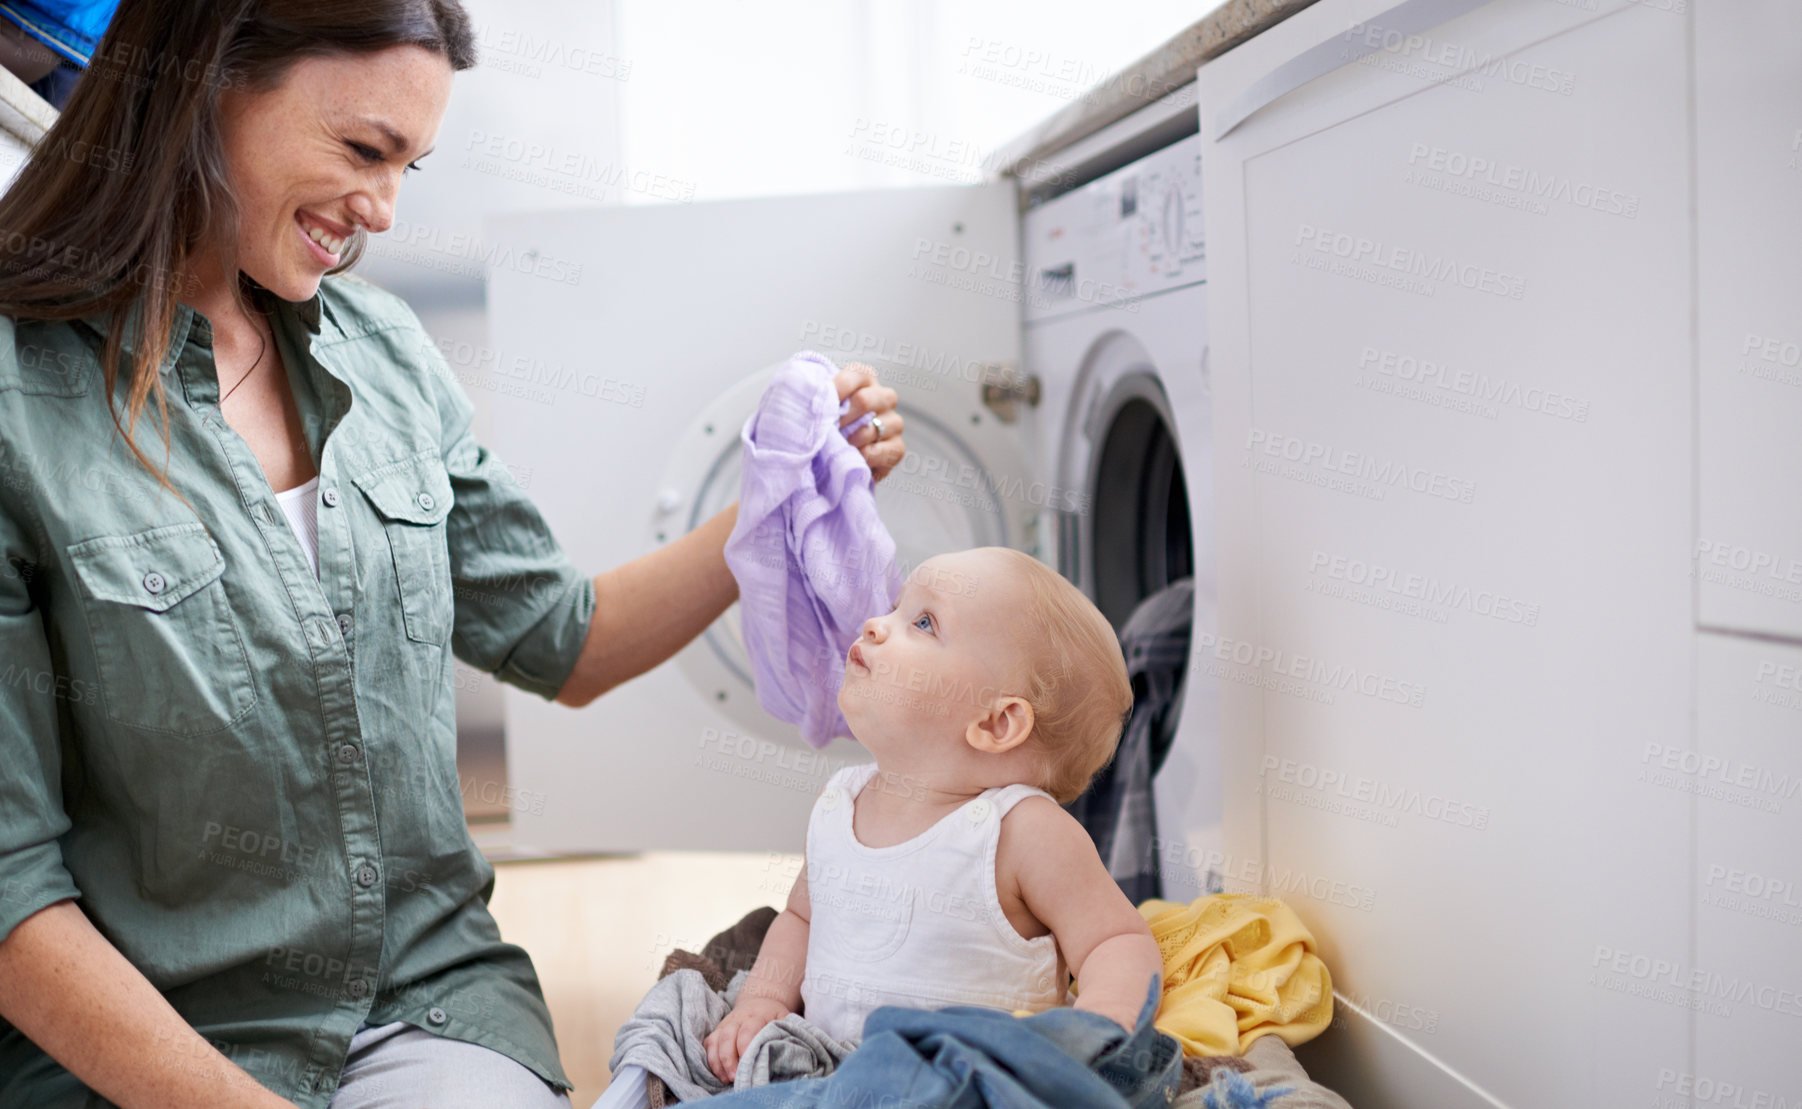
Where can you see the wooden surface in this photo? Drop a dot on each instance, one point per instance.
(598, 928)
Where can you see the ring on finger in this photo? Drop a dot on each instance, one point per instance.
(876, 422)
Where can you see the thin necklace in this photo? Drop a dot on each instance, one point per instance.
(262, 349)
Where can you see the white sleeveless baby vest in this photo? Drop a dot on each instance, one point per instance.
(916, 923)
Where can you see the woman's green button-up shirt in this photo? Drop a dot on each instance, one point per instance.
(247, 773)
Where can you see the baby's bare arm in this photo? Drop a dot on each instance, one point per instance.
(1106, 942)
(773, 988)
(782, 960)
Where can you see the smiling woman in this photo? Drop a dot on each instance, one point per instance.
(234, 869)
(84, 236)
(337, 178)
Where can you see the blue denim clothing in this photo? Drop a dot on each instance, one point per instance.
(965, 1057)
(72, 28)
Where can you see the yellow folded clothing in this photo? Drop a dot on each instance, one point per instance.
(1237, 967)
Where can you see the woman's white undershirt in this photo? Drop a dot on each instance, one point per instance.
(301, 506)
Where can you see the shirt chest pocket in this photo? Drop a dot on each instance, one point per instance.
(412, 497)
(166, 645)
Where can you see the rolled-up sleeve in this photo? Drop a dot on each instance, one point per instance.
(32, 875)
(522, 608)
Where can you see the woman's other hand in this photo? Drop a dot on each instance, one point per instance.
(857, 382)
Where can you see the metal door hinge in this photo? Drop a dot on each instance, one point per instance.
(1004, 387)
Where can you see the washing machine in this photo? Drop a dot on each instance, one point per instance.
(1050, 363)
(1115, 331)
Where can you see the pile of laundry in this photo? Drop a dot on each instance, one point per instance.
(961, 1057)
(1241, 984)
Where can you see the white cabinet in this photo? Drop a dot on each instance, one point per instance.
(1450, 302)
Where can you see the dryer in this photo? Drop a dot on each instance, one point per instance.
(1051, 369)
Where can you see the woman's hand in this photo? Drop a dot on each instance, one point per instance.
(727, 1042)
(858, 382)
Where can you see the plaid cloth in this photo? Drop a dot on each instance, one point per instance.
(1117, 808)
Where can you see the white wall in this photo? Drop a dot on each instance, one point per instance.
(813, 95)
(533, 126)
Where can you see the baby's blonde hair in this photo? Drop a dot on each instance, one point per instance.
(1075, 681)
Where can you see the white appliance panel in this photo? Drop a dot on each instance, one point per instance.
(1130, 233)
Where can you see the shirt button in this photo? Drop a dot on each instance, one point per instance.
(358, 987)
(330, 497)
(155, 582)
(366, 876)
(979, 811)
(437, 1015)
(426, 502)
(347, 754)
(344, 624)
(829, 800)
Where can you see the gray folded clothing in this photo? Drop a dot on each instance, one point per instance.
(790, 1048)
(667, 1036)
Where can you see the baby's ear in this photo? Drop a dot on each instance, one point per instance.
(1004, 727)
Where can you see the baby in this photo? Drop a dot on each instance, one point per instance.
(947, 873)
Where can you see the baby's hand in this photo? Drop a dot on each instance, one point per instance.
(727, 1042)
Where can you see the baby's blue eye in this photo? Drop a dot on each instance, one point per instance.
(925, 617)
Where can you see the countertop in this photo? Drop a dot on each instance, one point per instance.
(1157, 74)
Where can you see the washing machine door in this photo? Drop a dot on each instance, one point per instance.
(627, 353)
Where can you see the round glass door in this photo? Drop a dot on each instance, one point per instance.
(924, 516)
(940, 499)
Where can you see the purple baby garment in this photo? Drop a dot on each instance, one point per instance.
(811, 556)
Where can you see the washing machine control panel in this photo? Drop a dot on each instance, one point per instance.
(1132, 233)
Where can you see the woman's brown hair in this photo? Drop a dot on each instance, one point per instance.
(131, 181)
